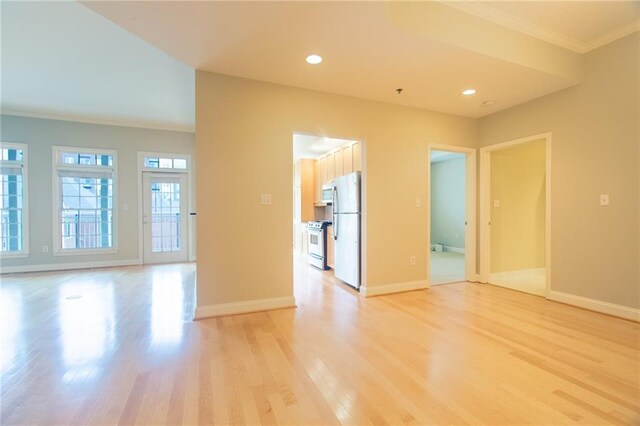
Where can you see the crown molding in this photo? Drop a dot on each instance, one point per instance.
(98, 120)
(480, 10)
(612, 36)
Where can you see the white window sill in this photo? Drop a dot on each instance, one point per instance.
(80, 252)
(14, 255)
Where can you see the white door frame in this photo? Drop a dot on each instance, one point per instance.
(191, 206)
(485, 205)
(470, 207)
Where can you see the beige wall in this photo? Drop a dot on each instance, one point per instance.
(595, 150)
(244, 148)
(518, 222)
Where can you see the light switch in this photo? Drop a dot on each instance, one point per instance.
(125, 206)
(265, 199)
(418, 202)
(496, 203)
(604, 199)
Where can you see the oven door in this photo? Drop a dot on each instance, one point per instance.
(316, 242)
(316, 249)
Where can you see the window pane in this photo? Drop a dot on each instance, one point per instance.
(179, 163)
(153, 163)
(166, 163)
(11, 199)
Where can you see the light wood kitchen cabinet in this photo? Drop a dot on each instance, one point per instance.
(339, 163)
(347, 159)
(303, 190)
(330, 244)
(319, 175)
(330, 167)
(357, 157)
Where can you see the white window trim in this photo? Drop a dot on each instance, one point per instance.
(191, 203)
(25, 201)
(55, 182)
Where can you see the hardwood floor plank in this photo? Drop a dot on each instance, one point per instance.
(118, 345)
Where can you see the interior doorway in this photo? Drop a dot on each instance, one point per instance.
(328, 219)
(515, 207)
(451, 230)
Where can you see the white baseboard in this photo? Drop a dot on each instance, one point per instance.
(454, 249)
(244, 307)
(393, 288)
(596, 305)
(68, 266)
(448, 248)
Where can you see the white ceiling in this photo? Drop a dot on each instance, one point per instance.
(310, 146)
(62, 60)
(370, 49)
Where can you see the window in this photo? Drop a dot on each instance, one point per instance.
(13, 199)
(85, 192)
(165, 163)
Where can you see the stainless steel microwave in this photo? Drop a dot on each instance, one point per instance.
(327, 193)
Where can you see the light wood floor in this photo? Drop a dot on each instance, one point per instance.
(116, 346)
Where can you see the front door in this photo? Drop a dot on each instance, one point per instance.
(164, 217)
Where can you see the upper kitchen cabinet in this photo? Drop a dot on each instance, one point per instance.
(357, 157)
(303, 190)
(347, 159)
(330, 167)
(341, 161)
(319, 174)
(338, 163)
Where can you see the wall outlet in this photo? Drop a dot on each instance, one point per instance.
(45, 249)
(412, 260)
(604, 199)
(496, 203)
(265, 199)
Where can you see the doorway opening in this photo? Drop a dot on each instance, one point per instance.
(327, 214)
(516, 215)
(451, 236)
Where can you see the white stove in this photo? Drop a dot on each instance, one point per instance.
(317, 231)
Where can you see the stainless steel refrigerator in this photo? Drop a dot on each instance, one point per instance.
(346, 228)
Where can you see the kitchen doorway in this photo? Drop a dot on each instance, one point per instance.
(451, 228)
(515, 214)
(327, 235)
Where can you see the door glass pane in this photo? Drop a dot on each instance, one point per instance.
(165, 217)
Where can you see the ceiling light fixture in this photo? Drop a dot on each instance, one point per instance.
(314, 59)
(489, 103)
(469, 92)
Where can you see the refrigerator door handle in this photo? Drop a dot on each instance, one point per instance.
(334, 207)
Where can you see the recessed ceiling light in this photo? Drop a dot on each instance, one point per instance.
(314, 59)
(469, 92)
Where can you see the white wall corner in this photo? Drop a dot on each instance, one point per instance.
(620, 311)
(244, 307)
(394, 288)
(68, 266)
